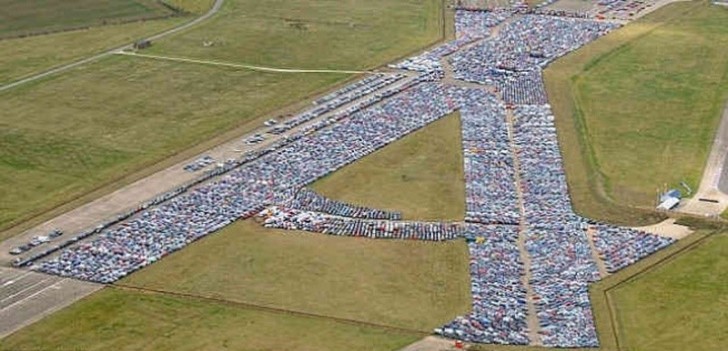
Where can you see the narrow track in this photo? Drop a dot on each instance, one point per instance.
(241, 65)
(595, 254)
(213, 10)
(532, 318)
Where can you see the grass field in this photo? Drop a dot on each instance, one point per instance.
(197, 7)
(65, 136)
(407, 284)
(682, 305)
(127, 320)
(68, 115)
(25, 56)
(637, 109)
(352, 34)
(28, 17)
(420, 175)
(403, 284)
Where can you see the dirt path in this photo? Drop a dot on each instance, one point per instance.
(449, 78)
(241, 65)
(595, 253)
(532, 319)
(667, 228)
(431, 343)
(213, 10)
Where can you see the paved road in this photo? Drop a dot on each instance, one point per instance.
(715, 180)
(215, 8)
(26, 297)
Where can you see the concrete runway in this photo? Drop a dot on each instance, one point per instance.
(26, 296)
(714, 184)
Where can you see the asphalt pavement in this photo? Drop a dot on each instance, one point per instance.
(27, 296)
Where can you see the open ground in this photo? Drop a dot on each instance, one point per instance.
(135, 320)
(637, 109)
(353, 293)
(367, 45)
(33, 17)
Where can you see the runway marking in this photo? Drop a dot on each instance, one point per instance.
(24, 290)
(53, 286)
(17, 277)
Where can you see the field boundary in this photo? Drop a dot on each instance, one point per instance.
(606, 313)
(637, 271)
(264, 308)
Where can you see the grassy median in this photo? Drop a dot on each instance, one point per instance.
(420, 175)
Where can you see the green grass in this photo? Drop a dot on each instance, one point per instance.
(403, 284)
(28, 17)
(670, 87)
(124, 320)
(420, 175)
(148, 110)
(409, 284)
(682, 305)
(353, 34)
(191, 6)
(24, 56)
(63, 137)
(637, 109)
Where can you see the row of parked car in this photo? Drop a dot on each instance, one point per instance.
(36, 241)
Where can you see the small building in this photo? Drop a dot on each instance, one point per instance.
(670, 193)
(669, 200)
(668, 204)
